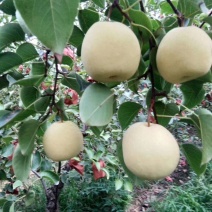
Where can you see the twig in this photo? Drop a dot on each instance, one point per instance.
(142, 6)
(52, 95)
(42, 181)
(46, 62)
(116, 5)
(180, 17)
(202, 24)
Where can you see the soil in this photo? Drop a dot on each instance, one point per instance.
(143, 197)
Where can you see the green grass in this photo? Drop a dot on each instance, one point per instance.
(193, 196)
(82, 194)
(93, 196)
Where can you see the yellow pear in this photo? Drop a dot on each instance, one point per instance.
(110, 52)
(184, 54)
(150, 152)
(62, 141)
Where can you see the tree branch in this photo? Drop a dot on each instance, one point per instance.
(180, 17)
(42, 181)
(116, 5)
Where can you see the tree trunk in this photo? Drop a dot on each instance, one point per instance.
(52, 197)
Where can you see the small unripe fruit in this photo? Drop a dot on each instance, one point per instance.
(184, 54)
(110, 52)
(62, 141)
(150, 152)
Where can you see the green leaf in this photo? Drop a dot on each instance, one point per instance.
(76, 37)
(7, 206)
(27, 52)
(45, 165)
(9, 60)
(6, 116)
(100, 3)
(75, 82)
(29, 198)
(10, 33)
(89, 153)
(12, 207)
(3, 81)
(7, 150)
(87, 18)
(166, 8)
(38, 69)
(51, 22)
(42, 103)
(170, 23)
(2, 201)
(71, 82)
(36, 161)
(96, 105)
(193, 93)
(97, 130)
(67, 61)
(30, 81)
(161, 84)
(61, 106)
(7, 6)
(26, 136)
(208, 20)
(29, 95)
(3, 175)
(162, 109)
(206, 135)
(116, 15)
(204, 79)
(118, 184)
(136, 6)
(17, 184)
(20, 116)
(194, 157)
(51, 176)
(128, 186)
(21, 164)
(127, 112)
(189, 8)
(145, 26)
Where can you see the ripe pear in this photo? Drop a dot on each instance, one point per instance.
(150, 152)
(110, 52)
(62, 141)
(184, 54)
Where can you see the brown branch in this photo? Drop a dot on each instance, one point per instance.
(46, 62)
(117, 5)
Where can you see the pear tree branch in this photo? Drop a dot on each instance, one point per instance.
(180, 17)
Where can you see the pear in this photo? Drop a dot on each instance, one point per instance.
(62, 141)
(150, 152)
(184, 54)
(110, 52)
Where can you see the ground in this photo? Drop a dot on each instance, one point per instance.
(144, 196)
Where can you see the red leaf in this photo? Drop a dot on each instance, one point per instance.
(68, 101)
(73, 96)
(169, 179)
(98, 173)
(68, 52)
(74, 164)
